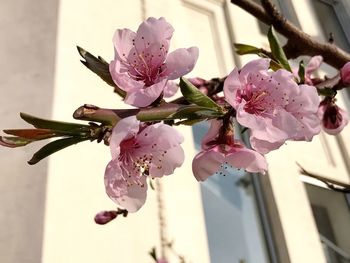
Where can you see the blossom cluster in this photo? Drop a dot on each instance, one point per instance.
(267, 99)
(274, 106)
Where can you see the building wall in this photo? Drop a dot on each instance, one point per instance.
(48, 210)
(27, 56)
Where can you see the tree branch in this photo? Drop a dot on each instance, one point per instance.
(331, 184)
(299, 43)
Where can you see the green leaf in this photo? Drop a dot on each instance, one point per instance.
(276, 49)
(54, 125)
(243, 49)
(193, 95)
(301, 72)
(53, 147)
(100, 67)
(188, 111)
(13, 142)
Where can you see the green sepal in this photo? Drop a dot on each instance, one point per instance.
(53, 147)
(244, 49)
(40, 123)
(327, 92)
(193, 95)
(100, 67)
(277, 50)
(301, 72)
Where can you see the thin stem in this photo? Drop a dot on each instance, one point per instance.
(331, 184)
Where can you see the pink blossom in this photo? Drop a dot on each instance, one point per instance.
(142, 65)
(272, 105)
(217, 156)
(139, 151)
(345, 73)
(334, 119)
(161, 261)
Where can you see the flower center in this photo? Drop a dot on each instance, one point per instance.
(146, 65)
(256, 100)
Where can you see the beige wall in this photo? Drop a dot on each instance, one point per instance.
(27, 54)
(75, 190)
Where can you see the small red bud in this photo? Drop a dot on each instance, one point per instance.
(105, 217)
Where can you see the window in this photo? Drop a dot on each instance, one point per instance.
(331, 211)
(233, 224)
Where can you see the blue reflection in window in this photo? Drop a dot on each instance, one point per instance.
(232, 221)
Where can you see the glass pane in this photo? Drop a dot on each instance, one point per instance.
(330, 23)
(232, 219)
(332, 215)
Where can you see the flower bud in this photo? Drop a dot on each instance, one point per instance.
(333, 118)
(345, 73)
(105, 217)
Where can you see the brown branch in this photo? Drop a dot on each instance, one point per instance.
(331, 184)
(299, 43)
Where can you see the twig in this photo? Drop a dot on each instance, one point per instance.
(299, 43)
(331, 184)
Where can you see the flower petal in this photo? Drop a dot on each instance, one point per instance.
(154, 32)
(143, 97)
(123, 42)
(254, 66)
(131, 197)
(345, 74)
(164, 163)
(212, 133)
(306, 101)
(263, 146)
(124, 129)
(247, 159)
(180, 62)
(206, 163)
(314, 63)
(122, 79)
(159, 137)
(170, 89)
(231, 85)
